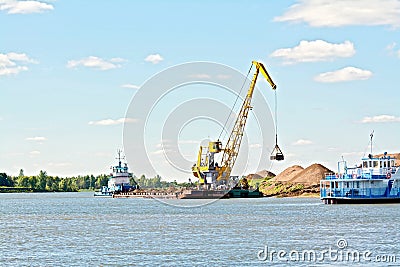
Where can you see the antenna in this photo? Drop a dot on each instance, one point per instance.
(371, 136)
(119, 151)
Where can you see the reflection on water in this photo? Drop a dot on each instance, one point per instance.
(76, 229)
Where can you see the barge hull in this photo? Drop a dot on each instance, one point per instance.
(360, 200)
(215, 194)
(203, 194)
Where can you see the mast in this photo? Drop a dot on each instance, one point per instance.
(371, 136)
(119, 158)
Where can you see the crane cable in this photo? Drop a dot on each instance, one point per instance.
(276, 125)
(276, 118)
(234, 104)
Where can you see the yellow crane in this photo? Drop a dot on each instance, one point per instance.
(206, 169)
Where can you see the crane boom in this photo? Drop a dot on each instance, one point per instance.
(231, 150)
(206, 169)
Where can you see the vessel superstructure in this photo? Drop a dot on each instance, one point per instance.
(120, 180)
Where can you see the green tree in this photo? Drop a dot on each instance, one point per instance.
(63, 185)
(5, 180)
(156, 181)
(32, 182)
(52, 183)
(92, 181)
(72, 184)
(101, 180)
(41, 180)
(23, 181)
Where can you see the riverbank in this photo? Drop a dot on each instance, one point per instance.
(9, 189)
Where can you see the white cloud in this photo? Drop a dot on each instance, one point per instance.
(24, 7)
(20, 57)
(108, 122)
(380, 118)
(154, 58)
(96, 63)
(12, 70)
(391, 46)
(200, 76)
(313, 51)
(302, 142)
(131, 86)
(327, 13)
(118, 60)
(342, 75)
(35, 152)
(36, 138)
(255, 146)
(14, 63)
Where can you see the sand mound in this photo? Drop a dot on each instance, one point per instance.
(288, 174)
(265, 173)
(311, 175)
(260, 174)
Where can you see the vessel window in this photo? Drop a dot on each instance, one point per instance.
(388, 164)
(370, 164)
(384, 164)
(393, 163)
(365, 164)
(347, 184)
(358, 184)
(380, 164)
(375, 164)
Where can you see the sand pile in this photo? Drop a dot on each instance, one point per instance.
(260, 174)
(288, 174)
(295, 181)
(310, 175)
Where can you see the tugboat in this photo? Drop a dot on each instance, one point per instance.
(119, 181)
(375, 180)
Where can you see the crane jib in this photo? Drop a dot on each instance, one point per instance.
(205, 166)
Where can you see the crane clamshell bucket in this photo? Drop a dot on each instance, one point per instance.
(277, 154)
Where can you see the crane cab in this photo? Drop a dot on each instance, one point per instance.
(215, 147)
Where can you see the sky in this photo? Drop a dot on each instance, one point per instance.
(71, 70)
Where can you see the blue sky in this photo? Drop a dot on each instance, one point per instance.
(69, 69)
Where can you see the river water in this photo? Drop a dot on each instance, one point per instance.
(76, 229)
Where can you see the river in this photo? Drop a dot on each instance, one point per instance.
(76, 229)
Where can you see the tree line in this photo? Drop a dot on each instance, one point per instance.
(44, 182)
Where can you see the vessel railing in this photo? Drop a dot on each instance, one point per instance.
(362, 175)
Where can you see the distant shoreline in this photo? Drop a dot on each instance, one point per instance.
(7, 189)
